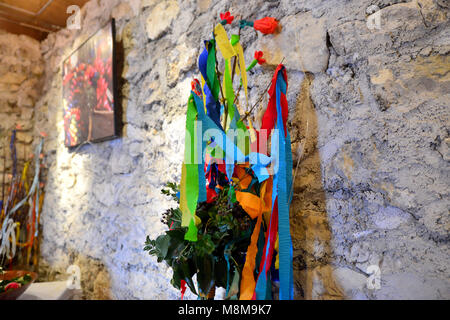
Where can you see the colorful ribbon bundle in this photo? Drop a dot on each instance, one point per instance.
(220, 150)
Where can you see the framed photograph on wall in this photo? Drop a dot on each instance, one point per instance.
(89, 90)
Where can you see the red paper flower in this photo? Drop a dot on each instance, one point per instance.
(266, 25)
(12, 285)
(259, 58)
(227, 17)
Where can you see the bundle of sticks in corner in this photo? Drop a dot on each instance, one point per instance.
(22, 195)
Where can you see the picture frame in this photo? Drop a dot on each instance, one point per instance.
(89, 90)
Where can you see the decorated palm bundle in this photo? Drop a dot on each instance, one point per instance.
(20, 209)
(231, 228)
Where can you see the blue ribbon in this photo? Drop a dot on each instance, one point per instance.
(284, 182)
(222, 139)
(212, 105)
(262, 289)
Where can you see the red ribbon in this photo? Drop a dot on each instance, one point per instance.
(270, 116)
(269, 243)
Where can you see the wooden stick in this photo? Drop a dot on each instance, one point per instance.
(259, 99)
(4, 174)
(236, 96)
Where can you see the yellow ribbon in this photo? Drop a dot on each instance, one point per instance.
(240, 53)
(225, 47)
(203, 93)
(277, 260)
(24, 176)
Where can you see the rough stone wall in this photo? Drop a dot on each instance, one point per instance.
(21, 67)
(369, 118)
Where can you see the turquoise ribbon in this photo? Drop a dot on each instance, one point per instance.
(282, 183)
(284, 177)
(223, 140)
(227, 254)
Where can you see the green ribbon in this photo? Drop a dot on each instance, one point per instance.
(212, 80)
(189, 187)
(229, 93)
(245, 23)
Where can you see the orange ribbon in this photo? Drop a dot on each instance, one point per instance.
(255, 207)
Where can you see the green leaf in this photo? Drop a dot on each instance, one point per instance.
(27, 278)
(177, 275)
(205, 274)
(183, 271)
(220, 272)
(189, 271)
(178, 250)
(162, 246)
(176, 234)
(205, 246)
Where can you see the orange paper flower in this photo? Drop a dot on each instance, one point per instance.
(266, 25)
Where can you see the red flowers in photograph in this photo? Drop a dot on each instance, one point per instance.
(102, 96)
